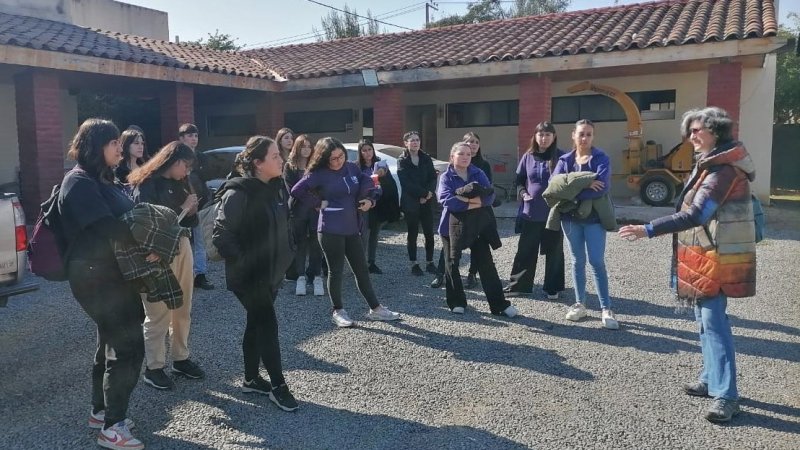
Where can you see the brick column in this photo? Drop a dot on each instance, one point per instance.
(269, 115)
(177, 108)
(40, 136)
(725, 90)
(389, 114)
(535, 106)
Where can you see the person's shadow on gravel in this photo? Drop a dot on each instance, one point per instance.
(489, 351)
(749, 418)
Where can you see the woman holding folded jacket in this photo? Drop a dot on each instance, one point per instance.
(341, 191)
(467, 222)
(587, 235)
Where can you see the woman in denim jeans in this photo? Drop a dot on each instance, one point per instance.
(587, 236)
(714, 249)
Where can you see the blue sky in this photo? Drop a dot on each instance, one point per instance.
(277, 22)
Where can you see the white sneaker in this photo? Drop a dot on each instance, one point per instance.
(511, 311)
(609, 321)
(341, 319)
(382, 313)
(458, 310)
(552, 296)
(96, 421)
(319, 289)
(576, 312)
(300, 289)
(118, 437)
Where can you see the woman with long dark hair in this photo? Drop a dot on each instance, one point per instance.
(284, 138)
(133, 154)
(533, 174)
(252, 233)
(163, 181)
(304, 220)
(342, 191)
(90, 204)
(418, 182)
(386, 210)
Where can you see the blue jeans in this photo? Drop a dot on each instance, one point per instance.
(588, 238)
(200, 265)
(716, 342)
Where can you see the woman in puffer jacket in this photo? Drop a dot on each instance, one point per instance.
(714, 254)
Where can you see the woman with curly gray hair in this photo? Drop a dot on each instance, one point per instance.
(714, 253)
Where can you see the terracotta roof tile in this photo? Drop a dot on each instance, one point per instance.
(656, 24)
(49, 35)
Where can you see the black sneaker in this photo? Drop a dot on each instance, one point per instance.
(258, 385)
(375, 269)
(471, 281)
(437, 282)
(696, 389)
(200, 281)
(281, 396)
(189, 369)
(416, 271)
(158, 379)
(431, 268)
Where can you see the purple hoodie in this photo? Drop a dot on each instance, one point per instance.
(342, 189)
(448, 183)
(536, 175)
(599, 164)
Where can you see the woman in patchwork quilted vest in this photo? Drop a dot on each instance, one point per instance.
(714, 254)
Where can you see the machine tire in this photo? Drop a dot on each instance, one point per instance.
(657, 191)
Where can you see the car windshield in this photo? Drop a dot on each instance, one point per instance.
(218, 164)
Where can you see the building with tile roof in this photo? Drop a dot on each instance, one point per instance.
(497, 78)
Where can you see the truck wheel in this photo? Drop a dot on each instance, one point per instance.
(657, 191)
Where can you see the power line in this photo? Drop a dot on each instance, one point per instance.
(362, 17)
(301, 37)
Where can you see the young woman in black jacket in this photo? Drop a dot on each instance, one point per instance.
(418, 185)
(90, 204)
(252, 233)
(163, 181)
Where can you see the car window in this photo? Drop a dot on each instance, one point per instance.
(218, 164)
(394, 152)
(352, 156)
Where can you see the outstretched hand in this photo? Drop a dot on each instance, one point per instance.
(632, 232)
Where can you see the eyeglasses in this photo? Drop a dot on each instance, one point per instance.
(337, 158)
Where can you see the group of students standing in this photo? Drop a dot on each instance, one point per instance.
(290, 205)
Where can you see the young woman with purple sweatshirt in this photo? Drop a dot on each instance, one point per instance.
(342, 190)
(533, 175)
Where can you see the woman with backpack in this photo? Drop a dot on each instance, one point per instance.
(252, 233)
(90, 203)
(714, 251)
(163, 181)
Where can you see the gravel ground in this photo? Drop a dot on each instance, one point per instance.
(435, 380)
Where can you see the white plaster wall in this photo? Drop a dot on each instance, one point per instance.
(755, 121)
(103, 14)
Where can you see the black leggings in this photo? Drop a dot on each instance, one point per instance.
(424, 217)
(116, 308)
(336, 248)
(492, 287)
(260, 342)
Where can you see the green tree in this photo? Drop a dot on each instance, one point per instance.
(218, 41)
(787, 76)
(347, 24)
(486, 10)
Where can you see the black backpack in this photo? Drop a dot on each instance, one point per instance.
(47, 247)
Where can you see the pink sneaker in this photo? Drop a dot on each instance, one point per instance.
(118, 437)
(96, 421)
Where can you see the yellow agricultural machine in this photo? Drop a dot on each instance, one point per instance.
(655, 174)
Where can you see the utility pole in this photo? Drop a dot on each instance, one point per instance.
(428, 6)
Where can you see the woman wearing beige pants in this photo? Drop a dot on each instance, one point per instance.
(162, 181)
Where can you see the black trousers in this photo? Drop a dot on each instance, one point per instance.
(422, 217)
(492, 287)
(533, 237)
(304, 230)
(336, 249)
(116, 308)
(369, 238)
(260, 342)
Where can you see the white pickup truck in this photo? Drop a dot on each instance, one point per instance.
(13, 250)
